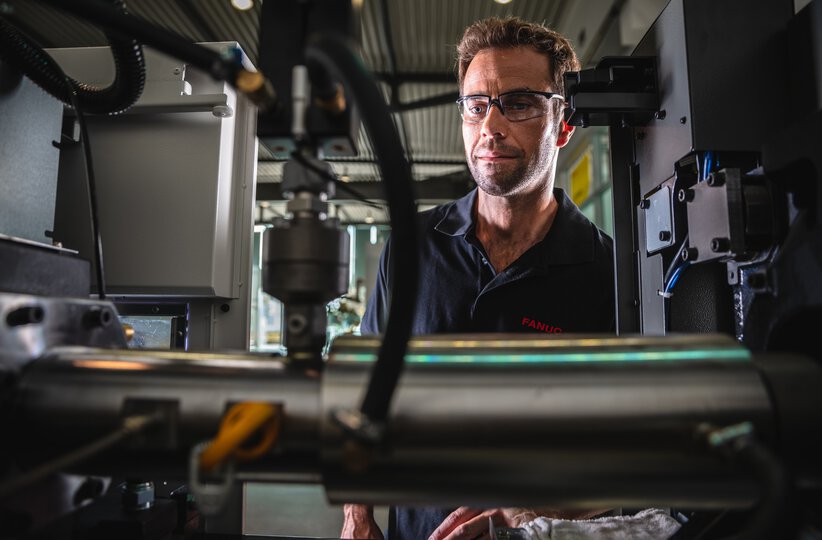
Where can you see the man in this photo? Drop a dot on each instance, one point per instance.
(515, 254)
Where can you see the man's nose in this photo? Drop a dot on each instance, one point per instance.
(494, 125)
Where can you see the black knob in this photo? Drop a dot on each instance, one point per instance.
(685, 195)
(689, 254)
(716, 179)
(25, 315)
(720, 245)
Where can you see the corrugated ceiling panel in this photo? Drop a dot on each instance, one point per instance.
(169, 15)
(425, 32)
(434, 132)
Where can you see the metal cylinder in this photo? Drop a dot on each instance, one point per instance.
(593, 422)
(73, 396)
(589, 422)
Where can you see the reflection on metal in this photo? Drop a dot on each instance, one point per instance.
(492, 350)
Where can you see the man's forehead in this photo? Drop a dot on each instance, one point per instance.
(503, 70)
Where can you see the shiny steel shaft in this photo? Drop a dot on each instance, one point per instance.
(583, 422)
(598, 422)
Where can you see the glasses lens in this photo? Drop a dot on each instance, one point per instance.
(524, 106)
(473, 108)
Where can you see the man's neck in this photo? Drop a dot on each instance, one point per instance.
(508, 226)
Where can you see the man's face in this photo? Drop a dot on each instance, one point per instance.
(511, 158)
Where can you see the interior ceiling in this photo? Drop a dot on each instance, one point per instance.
(408, 45)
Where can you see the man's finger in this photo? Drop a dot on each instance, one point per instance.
(454, 520)
(475, 528)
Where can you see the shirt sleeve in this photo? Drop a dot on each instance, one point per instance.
(376, 312)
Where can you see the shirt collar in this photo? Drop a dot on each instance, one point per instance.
(570, 240)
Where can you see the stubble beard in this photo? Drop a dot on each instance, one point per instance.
(496, 181)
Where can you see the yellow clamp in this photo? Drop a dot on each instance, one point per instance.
(238, 425)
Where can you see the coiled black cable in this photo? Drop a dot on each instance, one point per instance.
(22, 52)
(336, 56)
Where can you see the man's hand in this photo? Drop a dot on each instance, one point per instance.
(471, 523)
(359, 523)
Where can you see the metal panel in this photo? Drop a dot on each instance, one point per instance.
(28, 177)
(173, 188)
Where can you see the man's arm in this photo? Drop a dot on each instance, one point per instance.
(359, 522)
(358, 519)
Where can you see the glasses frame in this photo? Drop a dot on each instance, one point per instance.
(496, 101)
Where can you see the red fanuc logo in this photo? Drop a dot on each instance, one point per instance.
(541, 326)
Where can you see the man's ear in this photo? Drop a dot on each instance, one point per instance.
(565, 132)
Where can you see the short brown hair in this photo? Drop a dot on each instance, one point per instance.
(496, 33)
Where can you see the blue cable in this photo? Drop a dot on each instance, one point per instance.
(706, 168)
(675, 277)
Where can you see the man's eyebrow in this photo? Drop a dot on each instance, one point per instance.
(518, 89)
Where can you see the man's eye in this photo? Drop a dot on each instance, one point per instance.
(519, 106)
(476, 109)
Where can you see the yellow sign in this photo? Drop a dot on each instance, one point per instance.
(581, 173)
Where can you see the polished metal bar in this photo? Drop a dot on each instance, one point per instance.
(585, 422)
(588, 421)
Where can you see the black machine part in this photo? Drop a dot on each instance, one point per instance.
(306, 259)
(618, 91)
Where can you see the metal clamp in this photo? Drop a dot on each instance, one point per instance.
(210, 497)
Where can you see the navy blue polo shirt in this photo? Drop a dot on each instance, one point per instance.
(562, 284)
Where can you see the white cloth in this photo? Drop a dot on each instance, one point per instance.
(650, 524)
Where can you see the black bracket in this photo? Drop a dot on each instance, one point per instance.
(620, 91)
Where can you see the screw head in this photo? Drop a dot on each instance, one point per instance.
(660, 115)
(720, 245)
(683, 119)
(685, 195)
(225, 308)
(664, 236)
(716, 179)
(689, 254)
(645, 204)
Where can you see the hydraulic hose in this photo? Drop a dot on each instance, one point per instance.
(336, 56)
(22, 52)
(224, 67)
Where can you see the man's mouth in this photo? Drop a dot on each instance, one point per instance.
(495, 157)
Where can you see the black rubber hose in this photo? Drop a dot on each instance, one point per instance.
(335, 55)
(112, 20)
(23, 53)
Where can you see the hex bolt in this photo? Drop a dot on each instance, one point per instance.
(720, 245)
(645, 204)
(137, 495)
(716, 179)
(25, 315)
(664, 236)
(685, 195)
(689, 254)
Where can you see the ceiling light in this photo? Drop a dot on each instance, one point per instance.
(244, 5)
(369, 218)
(502, 1)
